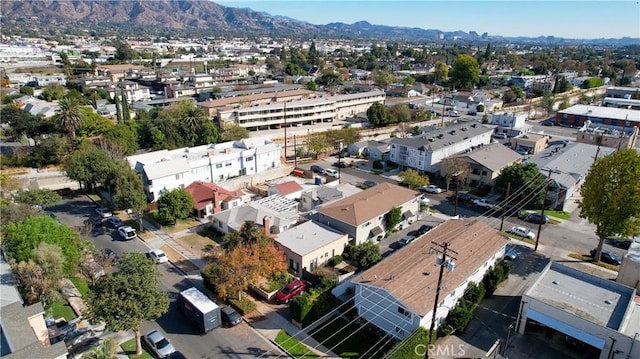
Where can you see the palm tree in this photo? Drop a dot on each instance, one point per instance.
(69, 116)
(106, 350)
(192, 122)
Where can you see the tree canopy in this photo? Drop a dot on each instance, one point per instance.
(90, 166)
(363, 255)
(393, 218)
(413, 179)
(175, 204)
(37, 197)
(378, 115)
(611, 196)
(465, 72)
(527, 185)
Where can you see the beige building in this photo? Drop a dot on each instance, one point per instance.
(486, 163)
(531, 143)
(362, 215)
(629, 273)
(608, 137)
(310, 245)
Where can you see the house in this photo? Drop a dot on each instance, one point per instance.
(24, 333)
(275, 214)
(425, 152)
(310, 245)
(44, 81)
(486, 163)
(165, 170)
(510, 123)
(579, 306)
(397, 294)
(530, 143)
(118, 72)
(362, 215)
(322, 195)
(132, 90)
(289, 189)
(373, 150)
(572, 162)
(36, 106)
(209, 198)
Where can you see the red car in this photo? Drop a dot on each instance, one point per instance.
(290, 290)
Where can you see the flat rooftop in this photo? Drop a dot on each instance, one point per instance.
(589, 297)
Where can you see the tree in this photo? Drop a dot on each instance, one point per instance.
(465, 72)
(413, 179)
(383, 78)
(123, 137)
(22, 238)
(32, 282)
(124, 52)
(122, 300)
(27, 90)
(527, 185)
(610, 196)
(233, 132)
(317, 143)
(90, 166)
(53, 92)
(311, 86)
(393, 218)
(400, 112)
(378, 115)
(592, 82)
(51, 259)
(23, 123)
(69, 116)
(248, 235)
(455, 167)
(175, 204)
(441, 72)
(548, 100)
(363, 255)
(192, 122)
(129, 191)
(106, 350)
(292, 69)
(39, 197)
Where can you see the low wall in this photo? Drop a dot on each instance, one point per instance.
(261, 177)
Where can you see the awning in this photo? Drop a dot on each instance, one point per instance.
(566, 328)
(408, 214)
(375, 231)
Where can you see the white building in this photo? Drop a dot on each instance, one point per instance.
(165, 170)
(425, 152)
(598, 312)
(510, 123)
(397, 295)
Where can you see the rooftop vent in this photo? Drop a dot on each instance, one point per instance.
(608, 301)
(555, 282)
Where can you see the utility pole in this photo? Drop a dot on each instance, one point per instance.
(504, 210)
(295, 153)
(285, 131)
(544, 199)
(339, 146)
(599, 143)
(455, 207)
(445, 261)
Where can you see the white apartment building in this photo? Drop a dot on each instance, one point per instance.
(166, 170)
(425, 152)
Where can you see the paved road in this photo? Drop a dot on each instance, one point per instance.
(241, 341)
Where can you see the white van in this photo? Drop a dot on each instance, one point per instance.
(500, 135)
(330, 172)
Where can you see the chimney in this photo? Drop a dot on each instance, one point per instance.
(267, 225)
(216, 201)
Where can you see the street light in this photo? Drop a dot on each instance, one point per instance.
(339, 146)
(506, 343)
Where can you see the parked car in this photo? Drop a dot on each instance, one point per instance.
(114, 222)
(127, 232)
(103, 212)
(499, 135)
(330, 172)
(424, 229)
(158, 344)
(536, 218)
(522, 232)
(230, 318)
(481, 202)
(463, 197)
(621, 242)
(607, 257)
(317, 169)
(424, 201)
(158, 256)
(405, 241)
(107, 255)
(510, 254)
(370, 183)
(340, 164)
(289, 291)
(431, 189)
(95, 220)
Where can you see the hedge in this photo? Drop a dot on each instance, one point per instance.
(310, 306)
(406, 348)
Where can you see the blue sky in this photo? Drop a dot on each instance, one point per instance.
(568, 19)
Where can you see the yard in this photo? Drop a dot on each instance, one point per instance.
(129, 347)
(60, 309)
(293, 346)
(350, 340)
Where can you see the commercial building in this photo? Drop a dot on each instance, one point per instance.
(597, 116)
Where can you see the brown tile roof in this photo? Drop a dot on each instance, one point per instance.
(404, 274)
(370, 203)
(202, 193)
(120, 68)
(222, 102)
(289, 187)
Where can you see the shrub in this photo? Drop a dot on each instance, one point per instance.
(377, 165)
(406, 348)
(335, 260)
(243, 305)
(277, 281)
(308, 307)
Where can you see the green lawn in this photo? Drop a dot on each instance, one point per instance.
(557, 214)
(293, 346)
(61, 309)
(349, 340)
(129, 347)
(81, 285)
(527, 240)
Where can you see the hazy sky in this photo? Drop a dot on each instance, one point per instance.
(568, 19)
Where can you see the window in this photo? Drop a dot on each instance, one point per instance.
(484, 173)
(404, 312)
(227, 164)
(218, 165)
(179, 176)
(250, 158)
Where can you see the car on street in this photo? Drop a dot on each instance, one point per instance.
(424, 229)
(230, 317)
(114, 222)
(431, 189)
(103, 212)
(621, 242)
(127, 232)
(158, 256)
(340, 164)
(481, 202)
(522, 232)
(463, 197)
(536, 218)
(95, 220)
(369, 183)
(330, 172)
(510, 254)
(607, 257)
(158, 344)
(106, 255)
(317, 169)
(289, 291)
(405, 241)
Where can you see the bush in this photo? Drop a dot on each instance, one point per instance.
(378, 165)
(335, 260)
(310, 306)
(277, 281)
(406, 348)
(244, 305)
